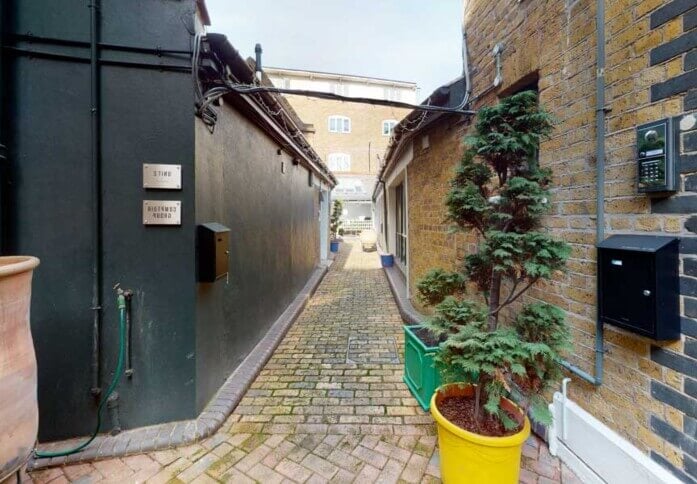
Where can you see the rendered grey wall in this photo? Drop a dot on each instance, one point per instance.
(146, 116)
(274, 241)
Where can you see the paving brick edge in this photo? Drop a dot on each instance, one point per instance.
(398, 287)
(174, 434)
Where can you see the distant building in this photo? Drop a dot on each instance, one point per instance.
(351, 138)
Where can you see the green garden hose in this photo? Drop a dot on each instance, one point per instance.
(114, 382)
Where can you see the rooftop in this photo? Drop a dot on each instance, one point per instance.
(338, 76)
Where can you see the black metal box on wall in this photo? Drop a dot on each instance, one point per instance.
(639, 286)
(213, 251)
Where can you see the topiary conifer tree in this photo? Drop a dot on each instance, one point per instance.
(500, 192)
(335, 219)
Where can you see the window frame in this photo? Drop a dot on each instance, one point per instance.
(342, 158)
(392, 93)
(342, 124)
(391, 129)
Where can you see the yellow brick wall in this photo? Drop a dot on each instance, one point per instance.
(555, 40)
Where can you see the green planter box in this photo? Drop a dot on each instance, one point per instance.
(420, 373)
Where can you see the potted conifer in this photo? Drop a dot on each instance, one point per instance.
(334, 225)
(494, 373)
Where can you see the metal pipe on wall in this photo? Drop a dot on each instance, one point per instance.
(96, 197)
(3, 109)
(600, 110)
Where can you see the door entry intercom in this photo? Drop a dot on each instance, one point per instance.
(656, 168)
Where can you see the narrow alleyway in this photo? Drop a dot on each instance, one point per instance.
(329, 406)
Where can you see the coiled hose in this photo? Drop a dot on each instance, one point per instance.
(112, 386)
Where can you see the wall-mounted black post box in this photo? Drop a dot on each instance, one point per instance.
(639, 286)
(213, 251)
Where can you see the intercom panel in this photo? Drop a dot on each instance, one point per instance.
(656, 168)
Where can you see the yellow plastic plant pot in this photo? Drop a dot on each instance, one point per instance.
(466, 457)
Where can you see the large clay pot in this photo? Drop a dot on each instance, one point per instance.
(19, 413)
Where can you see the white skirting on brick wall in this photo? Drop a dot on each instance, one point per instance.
(596, 453)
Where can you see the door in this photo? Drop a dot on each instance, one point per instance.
(323, 224)
(400, 224)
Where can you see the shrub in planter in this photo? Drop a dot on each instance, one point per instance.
(420, 373)
(496, 373)
(334, 225)
(421, 344)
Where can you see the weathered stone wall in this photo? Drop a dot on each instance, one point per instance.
(649, 394)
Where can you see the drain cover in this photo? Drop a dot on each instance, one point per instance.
(372, 350)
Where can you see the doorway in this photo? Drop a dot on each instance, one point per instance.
(401, 224)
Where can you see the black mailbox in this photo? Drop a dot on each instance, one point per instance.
(638, 284)
(213, 251)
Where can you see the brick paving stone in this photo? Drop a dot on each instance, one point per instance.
(328, 406)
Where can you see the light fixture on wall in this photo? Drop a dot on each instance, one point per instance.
(498, 50)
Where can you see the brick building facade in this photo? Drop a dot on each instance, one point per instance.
(351, 138)
(649, 389)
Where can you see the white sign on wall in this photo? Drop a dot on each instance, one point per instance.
(168, 177)
(162, 212)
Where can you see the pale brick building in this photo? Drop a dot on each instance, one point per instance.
(648, 394)
(351, 138)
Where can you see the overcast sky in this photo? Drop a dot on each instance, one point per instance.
(408, 40)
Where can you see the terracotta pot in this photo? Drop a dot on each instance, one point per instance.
(19, 413)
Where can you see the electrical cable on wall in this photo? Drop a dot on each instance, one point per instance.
(228, 84)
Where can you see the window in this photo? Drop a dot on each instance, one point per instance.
(339, 88)
(392, 94)
(388, 127)
(339, 162)
(339, 124)
(349, 186)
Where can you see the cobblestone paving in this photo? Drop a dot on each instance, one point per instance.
(329, 406)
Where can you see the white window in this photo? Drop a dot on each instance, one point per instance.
(339, 124)
(339, 162)
(388, 126)
(392, 94)
(341, 89)
(349, 186)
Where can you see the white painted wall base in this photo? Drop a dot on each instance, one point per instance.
(597, 454)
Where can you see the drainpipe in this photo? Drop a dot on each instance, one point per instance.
(96, 198)
(600, 111)
(3, 149)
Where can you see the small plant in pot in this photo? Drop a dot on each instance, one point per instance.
(335, 224)
(496, 370)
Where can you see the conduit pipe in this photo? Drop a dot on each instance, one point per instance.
(600, 111)
(3, 109)
(96, 198)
